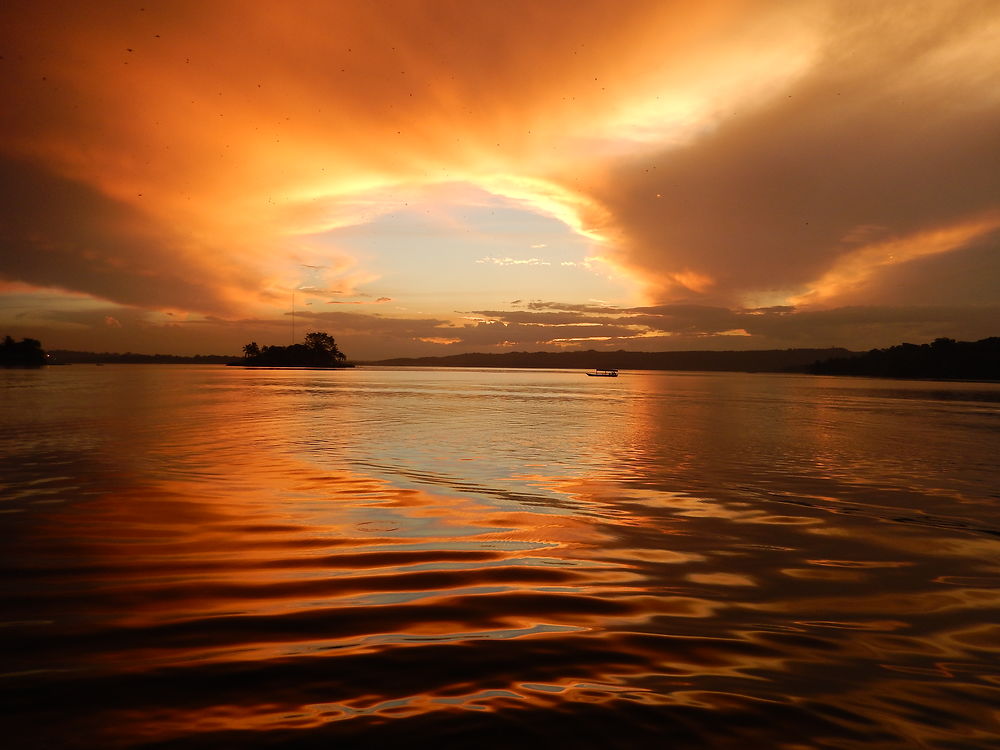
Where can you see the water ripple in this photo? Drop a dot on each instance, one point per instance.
(196, 557)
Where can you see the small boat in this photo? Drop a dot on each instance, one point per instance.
(603, 373)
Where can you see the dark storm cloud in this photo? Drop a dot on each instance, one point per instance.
(894, 130)
(56, 232)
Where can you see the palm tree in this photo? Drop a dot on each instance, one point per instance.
(251, 350)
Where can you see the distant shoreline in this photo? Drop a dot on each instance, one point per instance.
(71, 357)
(753, 360)
(944, 360)
(290, 367)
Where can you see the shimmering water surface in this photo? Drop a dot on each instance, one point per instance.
(217, 557)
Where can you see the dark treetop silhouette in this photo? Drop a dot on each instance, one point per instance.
(318, 350)
(23, 353)
(943, 358)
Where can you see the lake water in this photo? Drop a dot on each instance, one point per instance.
(202, 557)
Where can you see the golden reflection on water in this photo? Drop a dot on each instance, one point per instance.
(199, 556)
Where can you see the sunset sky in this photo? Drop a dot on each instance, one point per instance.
(436, 177)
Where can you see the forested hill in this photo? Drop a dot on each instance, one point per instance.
(943, 358)
(770, 360)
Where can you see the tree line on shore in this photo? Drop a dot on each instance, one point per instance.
(72, 357)
(23, 353)
(753, 360)
(943, 358)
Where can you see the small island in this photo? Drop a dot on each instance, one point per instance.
(319, 350)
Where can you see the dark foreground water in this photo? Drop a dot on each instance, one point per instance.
(213, 557)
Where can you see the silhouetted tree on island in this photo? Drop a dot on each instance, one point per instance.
(325, 345)
(319, 350)
(23, 353)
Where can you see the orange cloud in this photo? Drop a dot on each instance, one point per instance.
(858, 266)
(889, 129)
(189, 155)
(225, 138)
